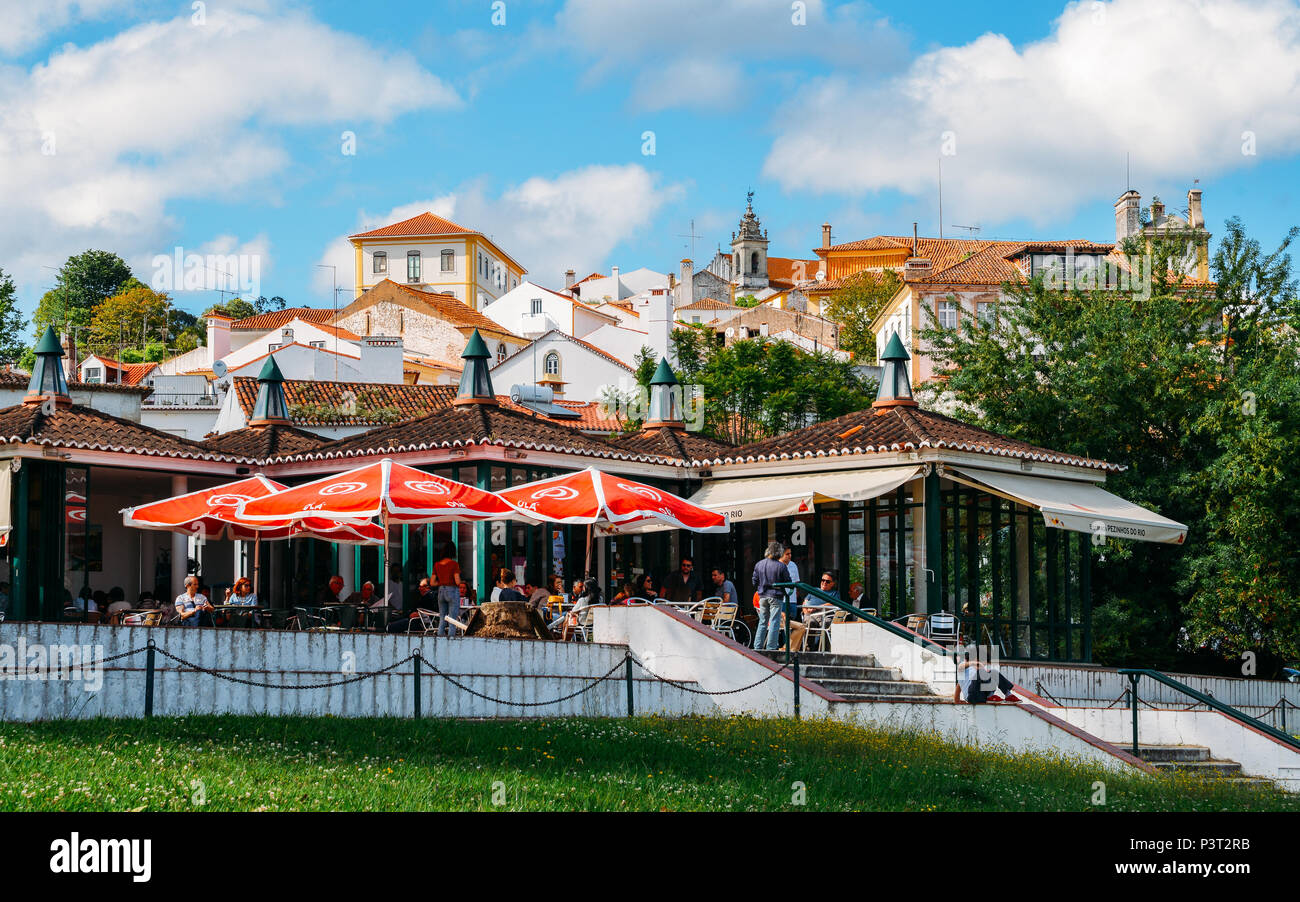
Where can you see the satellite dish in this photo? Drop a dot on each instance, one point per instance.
(821, 275)
(731, 331)
(219, 368)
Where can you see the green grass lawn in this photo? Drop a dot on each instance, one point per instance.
(645, 764)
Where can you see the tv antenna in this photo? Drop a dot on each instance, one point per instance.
(694, 237)
(971, 231)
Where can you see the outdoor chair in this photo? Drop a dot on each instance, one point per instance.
(73, 615)
(917, 623)
(306, 620)
(428, 621)
(724, 618)
(944, 629)
(638, 601)
(819, 627)
(582, 631)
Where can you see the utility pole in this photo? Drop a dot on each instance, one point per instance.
(335, 295)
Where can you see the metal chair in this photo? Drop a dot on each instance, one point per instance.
(724, 618)
(916, 622)
(944, 629)
(706, 609)
(638, 601)
(306, 620)
(818, 626)
(583, 627)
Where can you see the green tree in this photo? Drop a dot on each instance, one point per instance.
(235, 308)
(1154, 384)
(747, 300)
(855, 306)
(131, 319)
(12, 324)
(84, 281)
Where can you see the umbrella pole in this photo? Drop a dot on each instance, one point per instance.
(589, 574)
(257, 566)
(384, 517)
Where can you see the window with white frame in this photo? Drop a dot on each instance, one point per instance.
(381, 262)
(94, 374)
(552, 364)
(536, 306)
(413, 266)
(947, 311)
(987, 312)
(501, 352)
(448, 261)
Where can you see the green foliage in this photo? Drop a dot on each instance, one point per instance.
(747, 300)
(84, 280)
(755, 388)
(856, 305)
(12, 324)
(1156, 385)
(131, 355)
(133, 318)
(558, 764)
(235, 308)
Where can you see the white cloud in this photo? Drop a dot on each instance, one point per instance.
(572, 221)
(28, 22)
(1039, 129)
(98, 141)
(687, 53)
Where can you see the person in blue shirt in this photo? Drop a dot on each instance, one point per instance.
(813, 607)
(772, 600)
(191, 604)
(723, 587)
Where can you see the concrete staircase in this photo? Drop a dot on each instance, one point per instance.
(1195, 759)
(858, 678)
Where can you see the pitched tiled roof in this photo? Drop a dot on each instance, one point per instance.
(129, 373)
(591, 415)
(677, 443)
(410, 400)
(577, 341)
(897, 429)
(426, 224)
(446, 307)
(265, 442)
(12, 379)
(82, 427)
(787, 271)
(264, 322)
(479, 424)
(710, 304)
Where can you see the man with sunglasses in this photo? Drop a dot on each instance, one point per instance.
(813, 607)
(683, 586)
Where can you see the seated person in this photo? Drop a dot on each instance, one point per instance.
(330, 594)
(977, 683)
(625, 593)
(799, 628)
(365, 597)
(242, 593)
(426, 598)
(510, 587)
(588, 597)
(191, 604)
(538, 600)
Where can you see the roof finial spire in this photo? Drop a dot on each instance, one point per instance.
(475, 380)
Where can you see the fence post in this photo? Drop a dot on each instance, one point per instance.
(416, 659)
(1284, 703)
(148, 679)
(796, 685)
(1133, 705)
(628, 662)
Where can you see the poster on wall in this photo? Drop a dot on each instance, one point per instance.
(557, 548)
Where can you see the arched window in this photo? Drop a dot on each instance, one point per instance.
(552, 364)
(753, 263)
(501, 352)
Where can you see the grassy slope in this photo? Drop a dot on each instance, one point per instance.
(269, 763)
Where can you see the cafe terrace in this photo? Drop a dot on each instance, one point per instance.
(918, 511)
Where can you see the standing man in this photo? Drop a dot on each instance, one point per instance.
(683, 587)
(791, 595)
(447, 573)
(767, 573)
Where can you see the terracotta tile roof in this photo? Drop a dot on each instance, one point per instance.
(710, 304)
(577, 341)
(264, 322)
(591, 415)
(265, 442)
(410, 400)
(130, 373)
(446, 307)
(84, 428)
(680, 444)
(897, 429)
(480, 424)
(337, 331)
(426, 224)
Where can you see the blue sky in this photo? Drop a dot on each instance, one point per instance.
(140, 128)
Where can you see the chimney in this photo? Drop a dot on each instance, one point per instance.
(1126, 215)
(915, 239)
(218, 337)
(381, 359)
(70, 349)
(687, 281)
(613, 274)
(1195, 216)
(916, 268)
(569, 277)
(826, 235)
(1157, 211)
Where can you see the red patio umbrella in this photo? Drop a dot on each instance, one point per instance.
(615, 503)
(390, 491)
(212, 514)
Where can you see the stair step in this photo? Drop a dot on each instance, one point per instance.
(822, 658)
(892, 697)
(874, 687)
(1212, 767)
(820, 672)
(1162, 753)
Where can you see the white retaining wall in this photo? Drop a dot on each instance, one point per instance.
(517, 670)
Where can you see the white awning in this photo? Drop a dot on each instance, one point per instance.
(6, 477)
(760, 497)
(1076, 506)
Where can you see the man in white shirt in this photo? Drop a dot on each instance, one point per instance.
(191, 604)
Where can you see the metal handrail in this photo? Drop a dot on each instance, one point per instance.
(1136, 673)
(894, 628)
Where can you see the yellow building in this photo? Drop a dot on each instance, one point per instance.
(430, 253)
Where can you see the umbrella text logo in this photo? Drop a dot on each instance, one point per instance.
(428, 488)
(228, 500)
(558, 492)
(642, 490)
(342, 488)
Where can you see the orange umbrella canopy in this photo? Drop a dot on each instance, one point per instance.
(615, 502)
(401, 494)
(213, 514)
